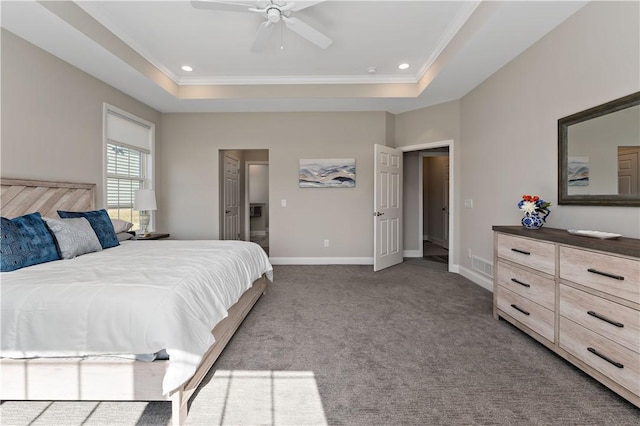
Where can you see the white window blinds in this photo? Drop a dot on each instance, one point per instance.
(128, 145)
(124, 175)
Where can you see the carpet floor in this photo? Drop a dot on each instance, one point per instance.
(342, 345)
(434, 253)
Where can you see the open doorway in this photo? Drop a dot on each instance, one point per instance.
(237, 211)
(257, 198)
(435, 204)
(417, 228)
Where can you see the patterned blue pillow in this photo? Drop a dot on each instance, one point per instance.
(25, 241)
(101, 224)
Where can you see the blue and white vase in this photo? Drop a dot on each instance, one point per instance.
(535, 220)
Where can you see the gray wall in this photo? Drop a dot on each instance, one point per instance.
(52, 117)
(190, 147)
(504, 131)
(410, 219)
(509, 122)
(504, 134)
(426, 125)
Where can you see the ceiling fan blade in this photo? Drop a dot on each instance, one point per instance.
(262, 36)
(303, 4)
(308, 32)
(225, 6)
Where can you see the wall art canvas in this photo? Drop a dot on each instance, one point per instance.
(327, 173)
(578, 171)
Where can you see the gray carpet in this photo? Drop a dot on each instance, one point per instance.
(346, 346)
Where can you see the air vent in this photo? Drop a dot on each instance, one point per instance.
(482, 266)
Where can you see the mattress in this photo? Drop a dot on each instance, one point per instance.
(138, 298)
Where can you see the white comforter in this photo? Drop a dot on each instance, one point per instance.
(137, 298)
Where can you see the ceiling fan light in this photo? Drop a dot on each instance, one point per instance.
(274, 15)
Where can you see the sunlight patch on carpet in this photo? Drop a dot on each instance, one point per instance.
(259, 397)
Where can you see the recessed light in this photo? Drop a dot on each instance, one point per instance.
(187, 68)
(403, 66)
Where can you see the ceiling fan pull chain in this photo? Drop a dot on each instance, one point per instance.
(281, 36)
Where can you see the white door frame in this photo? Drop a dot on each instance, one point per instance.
(247, 183)
(453, 212)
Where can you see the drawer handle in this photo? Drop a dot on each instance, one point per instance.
(520, 251)
(595, 271)
(605, 319)
(519, 309)
(606, 358)
(520, 282)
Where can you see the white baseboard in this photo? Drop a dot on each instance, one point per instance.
(257, 233)
(411, 253)
(321, 260)
(481, 280)
(476, 278)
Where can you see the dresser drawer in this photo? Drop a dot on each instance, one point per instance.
(582, 343)
(534, 316)
(534, 254)
(609, 319)
(537, 288)
(610, 274)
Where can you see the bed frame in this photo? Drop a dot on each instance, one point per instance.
(99, 379)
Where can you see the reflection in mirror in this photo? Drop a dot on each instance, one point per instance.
(599, 154)
(594, 151)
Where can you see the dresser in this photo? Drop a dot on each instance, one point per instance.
(578, 296)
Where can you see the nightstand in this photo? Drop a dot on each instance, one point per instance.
(153, 236)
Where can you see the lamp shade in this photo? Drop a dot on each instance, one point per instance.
(145, 199)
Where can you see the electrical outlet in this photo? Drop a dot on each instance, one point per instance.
(469, 254)
(326, 243)
(468, 203)
(284, 203)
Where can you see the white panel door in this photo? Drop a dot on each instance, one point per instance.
(628, 171)
(387, 199)
(231, 199)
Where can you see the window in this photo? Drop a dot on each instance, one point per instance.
(128, 144)
(124, 177)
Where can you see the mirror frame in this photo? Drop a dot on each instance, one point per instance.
(563, 124)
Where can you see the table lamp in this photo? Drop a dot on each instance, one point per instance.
(145, 201)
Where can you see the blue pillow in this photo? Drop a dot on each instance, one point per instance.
(101, 224)
(25, 241)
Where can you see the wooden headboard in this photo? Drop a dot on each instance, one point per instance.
(21, 196)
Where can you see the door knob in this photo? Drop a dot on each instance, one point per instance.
(378, 214)
(227, 211)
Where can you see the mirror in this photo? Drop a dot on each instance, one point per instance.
(599, 155)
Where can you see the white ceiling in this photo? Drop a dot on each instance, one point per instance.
(452, 46)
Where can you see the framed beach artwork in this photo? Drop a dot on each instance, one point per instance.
(327, 173)
(578, 171)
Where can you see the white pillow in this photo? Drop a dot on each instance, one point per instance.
(73, 236)
(123, 236)
(121, 225)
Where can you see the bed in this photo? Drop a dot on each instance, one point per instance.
(117, 307)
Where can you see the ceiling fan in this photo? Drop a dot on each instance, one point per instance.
(274, 11)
